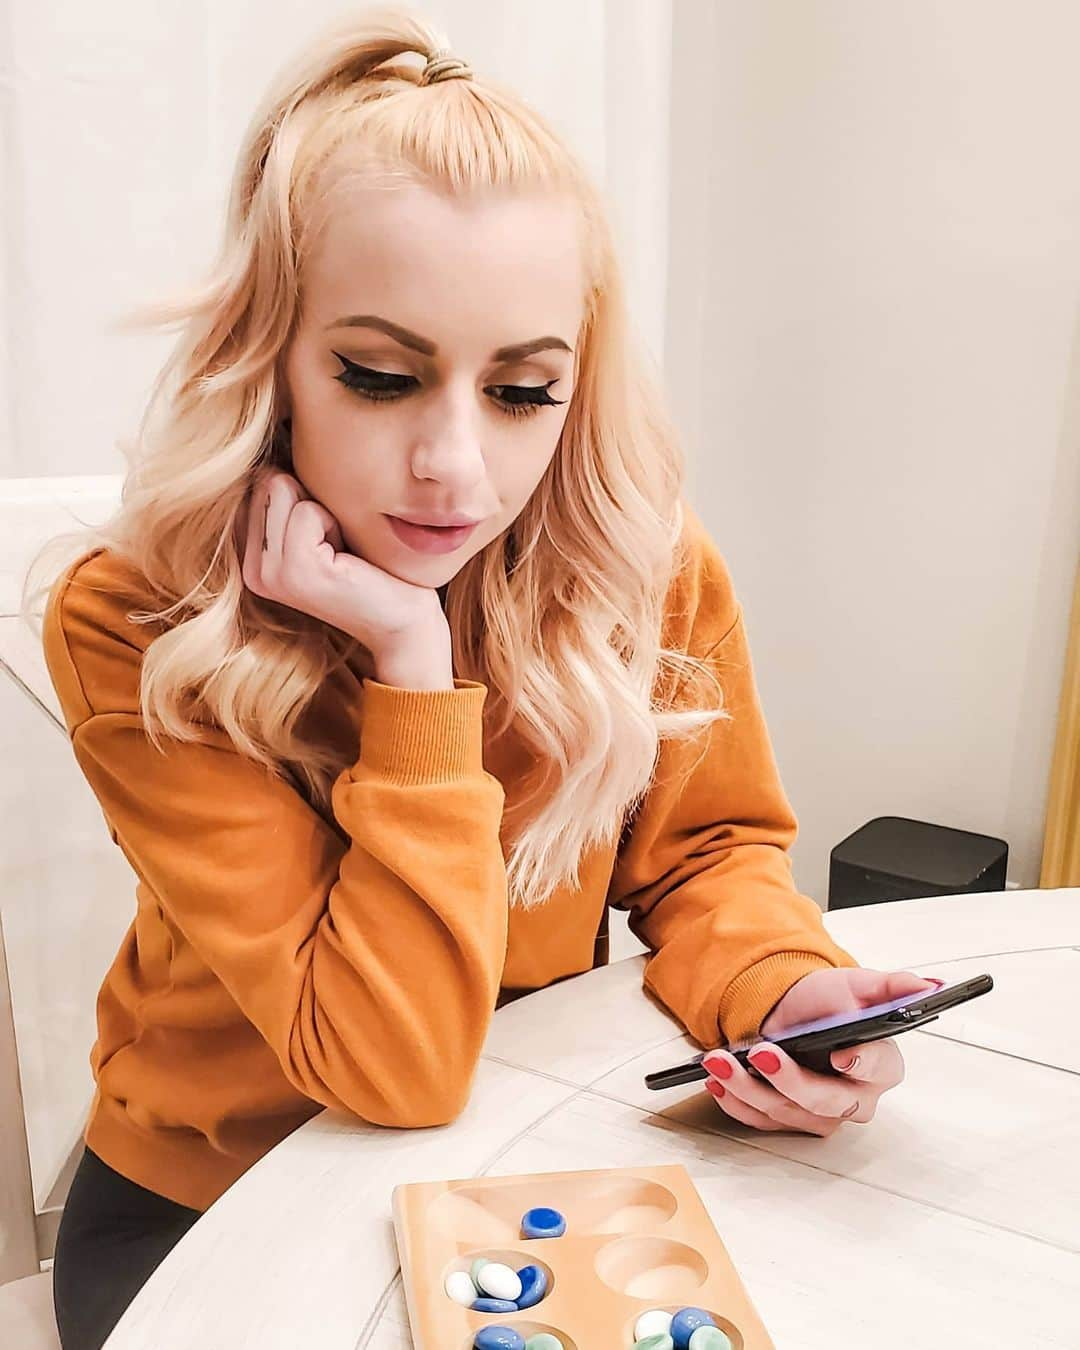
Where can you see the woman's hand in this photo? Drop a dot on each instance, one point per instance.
(295, 554)
(798, 1099)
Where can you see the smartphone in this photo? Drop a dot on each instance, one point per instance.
(811, 1043)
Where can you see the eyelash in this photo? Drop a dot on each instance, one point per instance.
(357, 378)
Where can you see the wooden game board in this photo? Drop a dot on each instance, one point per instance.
(636, 1238)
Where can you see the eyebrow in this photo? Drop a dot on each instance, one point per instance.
(517, 351)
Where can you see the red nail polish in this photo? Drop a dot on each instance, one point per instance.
(719, 1068)
(767, 1062)
(714, 1088)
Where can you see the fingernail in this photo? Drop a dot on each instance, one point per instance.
(718, 1066)
(850, 1111)
(767, 1062)
(846, 1068)
(714, 1088)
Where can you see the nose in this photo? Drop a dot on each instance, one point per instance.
(454, 462)
(452, 454)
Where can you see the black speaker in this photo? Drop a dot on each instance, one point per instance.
(896, 858)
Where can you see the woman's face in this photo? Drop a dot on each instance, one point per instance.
(415, 300)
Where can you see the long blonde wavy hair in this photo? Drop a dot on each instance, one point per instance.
(560, 617)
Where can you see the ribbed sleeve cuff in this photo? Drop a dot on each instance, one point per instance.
(751, 996)
(422, 735)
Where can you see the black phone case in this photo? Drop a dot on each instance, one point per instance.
(812, 1049)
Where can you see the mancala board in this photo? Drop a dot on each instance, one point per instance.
(636, 1238)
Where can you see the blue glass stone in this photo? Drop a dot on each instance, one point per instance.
(533, 1286)
(543, 1223)
(498, 1338)
(493, 1305)
(685, 1322)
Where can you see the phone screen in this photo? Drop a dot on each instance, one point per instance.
(857, 1014)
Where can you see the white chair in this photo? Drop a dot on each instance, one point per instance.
(31, 511)
(28, 1238)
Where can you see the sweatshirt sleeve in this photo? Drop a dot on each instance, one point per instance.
(369, 957)
(703, 868)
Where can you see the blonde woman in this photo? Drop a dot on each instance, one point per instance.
(402, 660)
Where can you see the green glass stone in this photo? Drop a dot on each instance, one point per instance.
(477, 1266)
(543, 1340)
(662, 1341)
(709, 1338)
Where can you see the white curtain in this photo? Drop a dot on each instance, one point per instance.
(120, 123)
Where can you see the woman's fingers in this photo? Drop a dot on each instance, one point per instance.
(878, 1063)
(868, 1102)
(819, 1094)
(269, 507)
(790, 1117)
(311, 524)
(738, 1110)
(282, 497)
(253, 550)
(800, 1100)
(794, 1098)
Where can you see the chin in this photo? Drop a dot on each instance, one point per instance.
(432, 572)
(381, 547)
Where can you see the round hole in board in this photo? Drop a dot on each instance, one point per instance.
(515, 1260)
(725, 1324)
(651, 1267)
(528, 1329)
(491, 1211)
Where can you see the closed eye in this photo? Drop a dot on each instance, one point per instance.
(377, 386)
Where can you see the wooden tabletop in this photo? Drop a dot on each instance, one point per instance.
(952, 1219)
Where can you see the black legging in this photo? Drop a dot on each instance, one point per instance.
(113, 1235)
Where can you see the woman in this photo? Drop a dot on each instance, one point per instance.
(375, 777)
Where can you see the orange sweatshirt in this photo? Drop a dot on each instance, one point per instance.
(280, 961)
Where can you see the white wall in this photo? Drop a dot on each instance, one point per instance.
(119, 126)
(873, 347)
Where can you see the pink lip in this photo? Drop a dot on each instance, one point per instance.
(427, 539)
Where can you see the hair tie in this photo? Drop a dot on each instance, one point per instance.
(442, 66)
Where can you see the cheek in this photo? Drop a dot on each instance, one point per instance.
(531, 468)
(323, 412)
(350, 486)
(521, 457)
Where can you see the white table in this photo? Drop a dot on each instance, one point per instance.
(953, 1219)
